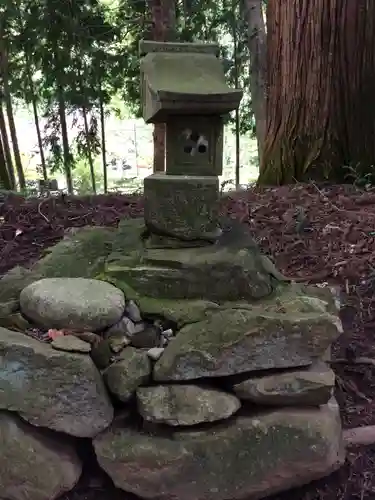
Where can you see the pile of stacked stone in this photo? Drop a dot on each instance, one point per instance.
(195, 368)
(239, 401)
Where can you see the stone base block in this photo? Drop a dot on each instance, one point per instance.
(184, 207)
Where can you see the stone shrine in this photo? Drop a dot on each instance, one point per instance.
(170, 345)
(183, 86)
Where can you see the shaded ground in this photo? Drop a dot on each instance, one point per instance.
(315, 234)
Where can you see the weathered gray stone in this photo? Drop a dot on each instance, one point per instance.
(72, 303)
(180, 405)
(185, 207)
(123, 377)
(70, 343)
(180, 311)
(208, 162)
(49, 388)
(247, 457)
(231, 269)
(80, 254)
(117, 342)
(184, 78)
(214, 274)
(33, 465)
(285, 331)
(11, 285)
(132, 311)
(311, 386)
(125, 326)
(15, 321)
(149, 337)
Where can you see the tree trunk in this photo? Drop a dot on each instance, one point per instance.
(34, 100)
(5, 182)
(104, 159)
(89, 154)
(236, 69)
(13, 135)
(320, 108)
(258, 65)
(10, 115)
(40, 142)
(65, 140)
(163, 14)
(6, 148)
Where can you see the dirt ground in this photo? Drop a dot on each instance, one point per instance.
(315, 234)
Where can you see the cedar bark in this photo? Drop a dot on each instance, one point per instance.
(163, 13)
(102, 132)
(258, 65)
(320, 98)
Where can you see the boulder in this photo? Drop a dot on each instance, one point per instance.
(311, 386)
(132, 369)
(246, 457)
(286, 331)
(72, 303)
(49, 388)
(34, 465)
(81, 254)
(180, 405)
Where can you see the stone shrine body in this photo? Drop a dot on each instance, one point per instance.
(183, 86)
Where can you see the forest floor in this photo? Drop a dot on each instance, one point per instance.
(315, 234)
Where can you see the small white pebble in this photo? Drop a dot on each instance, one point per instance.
(155, 353)
(168, 333)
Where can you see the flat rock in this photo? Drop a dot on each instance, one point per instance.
(72, 303)
(180, 405)
(49, 388)
(123, 377)
(34, 465)
(181, 312)
(311, 386)
(285, 331)
(70, 343)
(231, 269)
(246, 457)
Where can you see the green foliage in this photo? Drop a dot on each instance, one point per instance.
(77, 57)
(82, 178)
(359, 176)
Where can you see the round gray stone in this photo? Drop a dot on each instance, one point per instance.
(72, 303)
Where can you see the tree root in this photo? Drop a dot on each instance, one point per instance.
(359, 436)
(355, 361)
